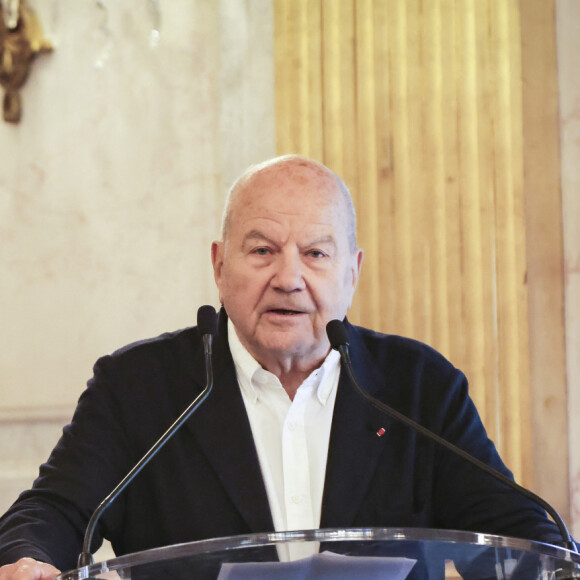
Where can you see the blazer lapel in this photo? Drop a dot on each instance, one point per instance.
(223, 431)
(356, 442)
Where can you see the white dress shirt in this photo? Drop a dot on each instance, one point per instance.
(291, 437)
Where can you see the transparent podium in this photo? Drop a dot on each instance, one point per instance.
(360, 554)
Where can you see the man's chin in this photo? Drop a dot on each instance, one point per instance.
(285, 346)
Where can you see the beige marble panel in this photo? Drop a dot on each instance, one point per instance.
(568, 22)
(111, 187)
(26, 440)
(111, 191)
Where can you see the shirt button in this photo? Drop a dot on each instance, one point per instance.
(297, 498)
(292, 426)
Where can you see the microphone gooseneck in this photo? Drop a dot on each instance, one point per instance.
(207, 326)
(338, 338)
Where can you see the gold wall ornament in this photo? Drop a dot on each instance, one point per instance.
(21, 40)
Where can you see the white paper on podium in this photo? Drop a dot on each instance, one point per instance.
(325, 566)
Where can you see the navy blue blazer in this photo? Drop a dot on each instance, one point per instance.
(206, 482)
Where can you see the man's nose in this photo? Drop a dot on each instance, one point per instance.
(289, 275)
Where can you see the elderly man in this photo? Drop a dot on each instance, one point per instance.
(283, 442)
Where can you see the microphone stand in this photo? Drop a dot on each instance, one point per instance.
(340, 336)
(86, 557)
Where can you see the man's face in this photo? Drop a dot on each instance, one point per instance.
(285, 268)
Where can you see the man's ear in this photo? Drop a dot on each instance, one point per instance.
(357, 265)
(355, 269)
(217, 260)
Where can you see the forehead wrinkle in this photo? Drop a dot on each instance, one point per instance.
(328, 239)
(277, 220)
(257, 235)
(277, 237)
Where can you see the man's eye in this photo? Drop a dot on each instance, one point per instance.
(262, 251)
(316, 254)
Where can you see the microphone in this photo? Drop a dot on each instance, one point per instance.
(207, 326)
(338, 338)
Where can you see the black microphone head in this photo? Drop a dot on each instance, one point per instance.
(337, 335)
(207, 320)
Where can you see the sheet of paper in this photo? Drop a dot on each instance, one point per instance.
(325, 566)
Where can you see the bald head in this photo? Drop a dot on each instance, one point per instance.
(300, 170)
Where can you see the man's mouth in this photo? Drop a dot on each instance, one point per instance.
(285, 312)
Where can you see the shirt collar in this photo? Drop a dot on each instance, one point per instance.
(253, 378)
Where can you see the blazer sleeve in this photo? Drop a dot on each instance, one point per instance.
(48, 521)
(445, 490)
(181, 495)
(468, 498)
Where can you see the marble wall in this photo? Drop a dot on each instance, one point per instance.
(111, 190)
(568, 22)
